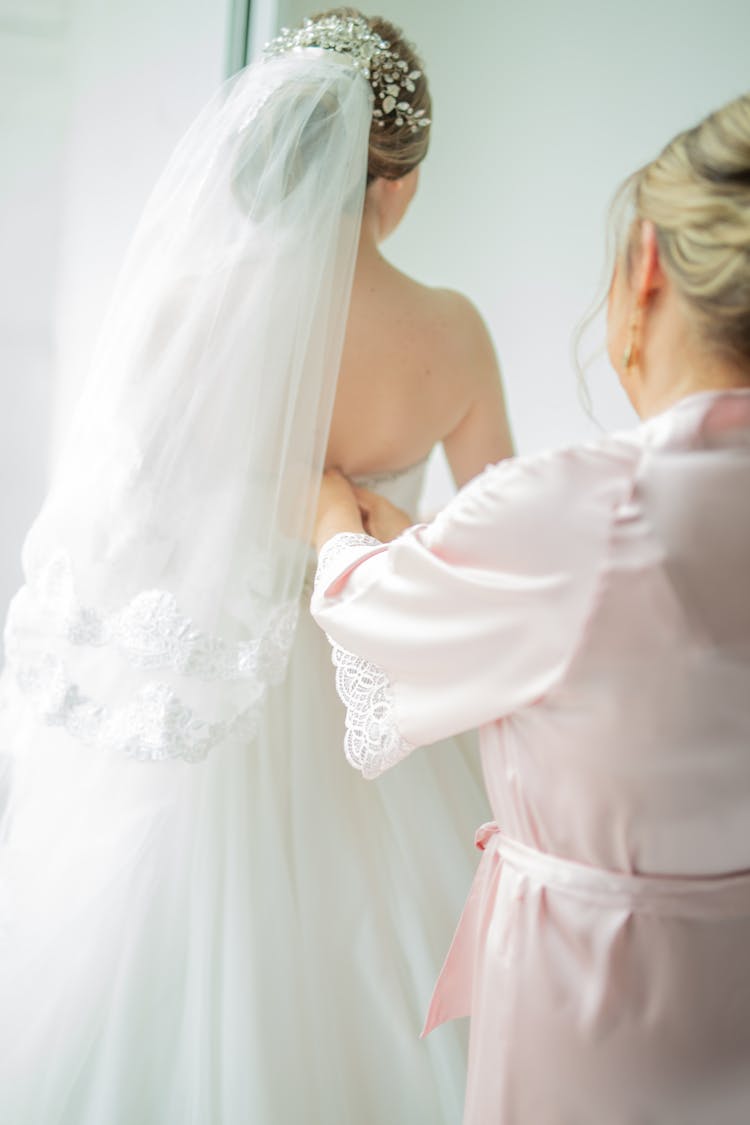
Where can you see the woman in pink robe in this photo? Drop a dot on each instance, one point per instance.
(589, 610)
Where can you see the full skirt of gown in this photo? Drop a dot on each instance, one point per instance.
(252, 939)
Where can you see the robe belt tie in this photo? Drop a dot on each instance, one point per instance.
(689, 895)
(718, 897)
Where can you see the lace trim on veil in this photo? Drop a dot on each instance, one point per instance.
(154, 726)
(152, 632)
(373, 742)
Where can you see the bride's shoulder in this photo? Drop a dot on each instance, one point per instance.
(456, 326)
(454, 310)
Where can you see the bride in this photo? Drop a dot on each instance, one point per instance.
(204, 917)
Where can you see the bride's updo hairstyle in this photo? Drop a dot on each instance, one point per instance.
(400, 123)
(697, 195)
(396, 146)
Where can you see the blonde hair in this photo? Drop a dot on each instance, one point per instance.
(394, 150)
(697, 195)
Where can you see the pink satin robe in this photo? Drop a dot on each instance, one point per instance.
(589, 610)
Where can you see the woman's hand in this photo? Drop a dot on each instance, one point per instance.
(337, 508)
(344, 507)
(381, 519)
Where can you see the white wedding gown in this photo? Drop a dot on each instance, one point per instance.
(251, 940)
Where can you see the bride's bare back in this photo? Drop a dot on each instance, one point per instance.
(418, 368)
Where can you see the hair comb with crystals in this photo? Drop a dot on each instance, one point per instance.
(389, 75)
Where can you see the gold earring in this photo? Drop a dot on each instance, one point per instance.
(630, 354)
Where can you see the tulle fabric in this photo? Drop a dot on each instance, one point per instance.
(251, 939)
(163, 573)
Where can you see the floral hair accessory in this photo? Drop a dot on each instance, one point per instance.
(389, 75)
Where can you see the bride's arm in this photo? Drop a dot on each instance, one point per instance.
(483, 435)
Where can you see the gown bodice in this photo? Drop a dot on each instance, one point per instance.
(402, 487)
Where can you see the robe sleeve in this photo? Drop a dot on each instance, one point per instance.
(463, 621)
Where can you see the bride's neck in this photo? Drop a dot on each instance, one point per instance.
(370, 233)
(371, 262)
(369, 255)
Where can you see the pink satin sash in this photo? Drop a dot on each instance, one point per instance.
(713, 896)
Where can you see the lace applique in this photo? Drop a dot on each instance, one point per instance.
(155, 726)
(152, 633)
(339, 545)
(372, 742)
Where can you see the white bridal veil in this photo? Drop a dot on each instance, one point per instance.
(163, 574)
(163, 577)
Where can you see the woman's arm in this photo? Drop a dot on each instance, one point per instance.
(475, 616)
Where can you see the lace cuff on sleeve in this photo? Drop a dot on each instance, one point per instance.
(339, 551)
(372, 743)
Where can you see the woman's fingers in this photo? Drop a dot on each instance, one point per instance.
(382, 519)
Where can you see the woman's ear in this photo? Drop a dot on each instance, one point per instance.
(649, 276)
(394, 188)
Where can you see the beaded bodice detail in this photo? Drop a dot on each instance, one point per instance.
(402, 487)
